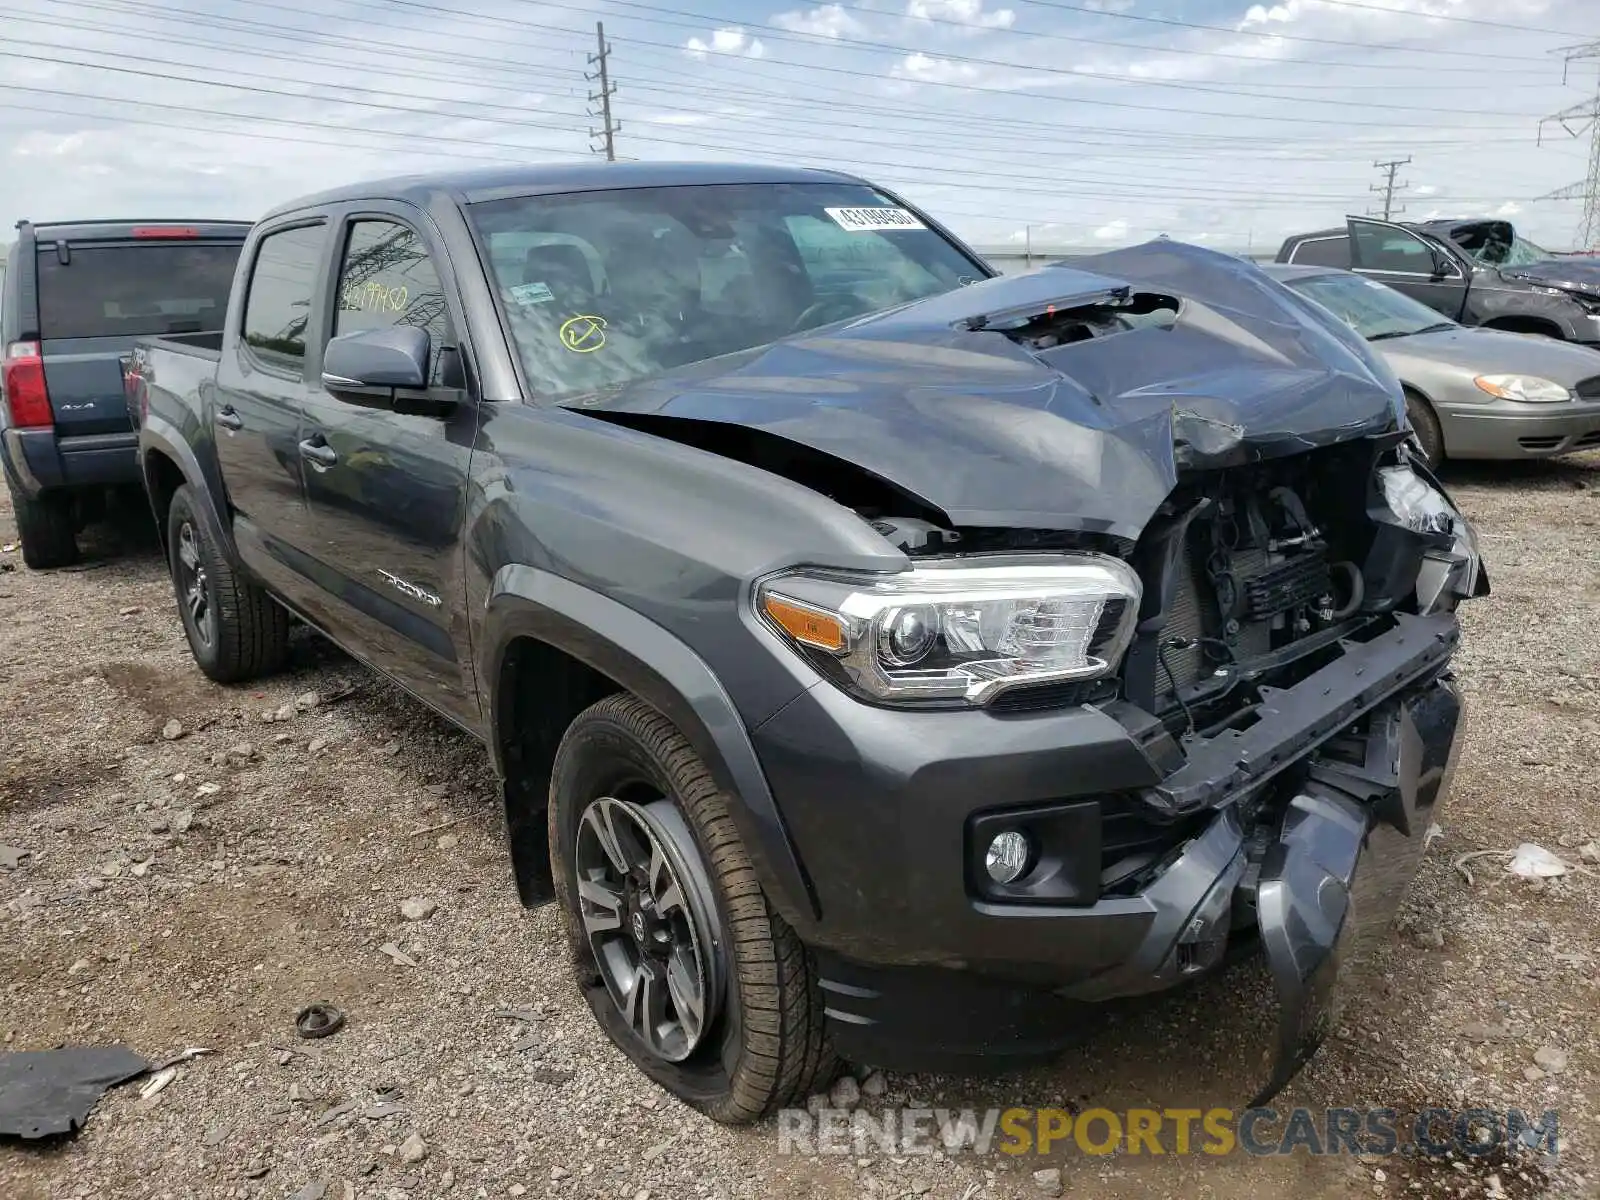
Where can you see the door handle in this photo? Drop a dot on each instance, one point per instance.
(318, 452)
(229, 419)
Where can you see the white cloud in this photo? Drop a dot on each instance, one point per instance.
(1109, 6)
(731, 39)
(827, 20)
(964, 12)
(43, 145)
(1425, 189)
(924, 68)
(1113, 231)
(1509, 209)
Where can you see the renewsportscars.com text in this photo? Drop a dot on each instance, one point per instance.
(1469, 1132)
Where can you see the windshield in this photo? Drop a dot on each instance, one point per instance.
(1372, 309)
(601, 288)
(1497, 244)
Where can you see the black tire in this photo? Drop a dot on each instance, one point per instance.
(236, 631)
(47, 527)
(1426, 426)
(767, 1047)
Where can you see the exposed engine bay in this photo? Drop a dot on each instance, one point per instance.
(1252, 575)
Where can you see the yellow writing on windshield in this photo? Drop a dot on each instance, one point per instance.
(373, 296)
(583, 334)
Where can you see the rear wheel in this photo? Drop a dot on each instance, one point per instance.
(683, 962)
(47, 527)
(236, 631)
(1425, 424)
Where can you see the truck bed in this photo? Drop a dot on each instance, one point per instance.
(206, 345)
(169, 372)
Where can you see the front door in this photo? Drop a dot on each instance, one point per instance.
(386, 480)
(1395, 255)
(255, 410)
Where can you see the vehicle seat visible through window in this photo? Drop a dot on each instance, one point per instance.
(564, 269)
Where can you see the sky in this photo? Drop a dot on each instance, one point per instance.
(1065, 123)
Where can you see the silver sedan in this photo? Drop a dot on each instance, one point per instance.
(1471, 392)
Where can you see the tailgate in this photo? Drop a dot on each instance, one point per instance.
(84, 378)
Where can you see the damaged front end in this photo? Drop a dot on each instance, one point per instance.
(1171, 495)
(1293, 648)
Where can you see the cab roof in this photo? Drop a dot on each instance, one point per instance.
(494, 183)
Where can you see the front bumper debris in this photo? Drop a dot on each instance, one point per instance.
(1347, 849)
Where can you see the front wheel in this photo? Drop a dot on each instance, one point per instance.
(1425, 424)
(683, 962)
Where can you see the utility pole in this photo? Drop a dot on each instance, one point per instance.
(608, 128)
(1578, 120)
(1388, 187)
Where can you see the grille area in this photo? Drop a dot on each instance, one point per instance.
(1589, 389)
(1194, 615)
(1131, 843)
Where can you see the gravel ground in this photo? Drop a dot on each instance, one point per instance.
(199, 889)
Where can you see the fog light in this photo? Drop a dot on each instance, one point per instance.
(1007, 856)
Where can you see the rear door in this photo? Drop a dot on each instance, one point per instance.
(386, 482)
(1407, 262)
(97, 296)
(262, 385)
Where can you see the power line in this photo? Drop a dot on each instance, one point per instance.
(292, 33)
(775, 33)
(523, 123)
(983, 127)
(601, 62)
(1389, 186)
(946, 84)
(1145, 48)
(420, 6)
(778, 34)
(1273, 35)
(1431, 16)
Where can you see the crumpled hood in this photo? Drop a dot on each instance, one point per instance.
(935, 398)
(1570, 274)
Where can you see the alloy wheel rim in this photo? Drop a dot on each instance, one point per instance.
(193, 586)
(646, 911)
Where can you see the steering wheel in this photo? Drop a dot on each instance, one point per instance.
(840, 306)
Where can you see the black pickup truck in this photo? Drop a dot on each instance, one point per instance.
(883, 659)
(76, 296)
(1477, 272)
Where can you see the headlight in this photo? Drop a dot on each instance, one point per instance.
(1451, 564)
(959, 630)
(1528, 388)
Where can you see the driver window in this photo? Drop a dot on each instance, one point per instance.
(387, 279)
(1381, 249)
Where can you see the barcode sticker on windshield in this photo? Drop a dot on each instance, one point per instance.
(861, 220)
(532, 293)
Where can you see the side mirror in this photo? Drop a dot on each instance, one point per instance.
(1443, 267)
(396, 357)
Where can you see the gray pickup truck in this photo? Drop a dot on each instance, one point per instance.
(883, 660)
(76, 296)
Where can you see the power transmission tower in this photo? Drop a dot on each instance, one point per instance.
(608, 128)
(1578, 120)
(1388, 187)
